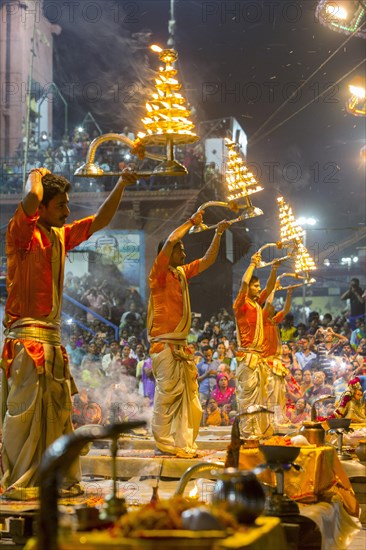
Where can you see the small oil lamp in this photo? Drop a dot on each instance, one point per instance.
(193, 494)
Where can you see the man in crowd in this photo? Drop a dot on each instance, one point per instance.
(37, 385)
(177, 410)
(207, 372)
(305, 354)
(357, 302)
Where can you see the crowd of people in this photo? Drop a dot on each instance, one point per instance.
(321, 358)
(65, 156)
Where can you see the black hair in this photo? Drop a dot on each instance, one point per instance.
(206, 348)
(52, 186)
(161, 245)
(253, 280)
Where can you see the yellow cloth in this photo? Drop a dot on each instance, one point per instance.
(322, 479)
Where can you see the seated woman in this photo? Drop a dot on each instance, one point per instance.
(222, 393)
(300, 413)
(214, 415)
(352, 404)
(293, 393)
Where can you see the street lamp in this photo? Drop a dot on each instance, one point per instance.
(304, 222)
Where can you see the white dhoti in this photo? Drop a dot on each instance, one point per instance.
(251, 390)
(277, 389)
(38, 411)
(177, 409)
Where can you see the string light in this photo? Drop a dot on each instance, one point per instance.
(343, 16)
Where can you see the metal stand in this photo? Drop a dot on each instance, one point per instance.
(342, 455)
(114, 507)
(277, 502)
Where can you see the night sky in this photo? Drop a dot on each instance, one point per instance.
(240, 59)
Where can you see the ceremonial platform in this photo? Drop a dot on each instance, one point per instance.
(137, 456)
(139, 471)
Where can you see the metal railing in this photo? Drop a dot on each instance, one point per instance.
(96, 315)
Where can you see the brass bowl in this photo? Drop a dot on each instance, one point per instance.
(279, 454)
(336, 423)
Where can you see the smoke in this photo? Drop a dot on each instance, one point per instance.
(100, 64)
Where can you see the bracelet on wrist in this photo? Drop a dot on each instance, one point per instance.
(192, 221)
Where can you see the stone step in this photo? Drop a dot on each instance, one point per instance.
(143, 463)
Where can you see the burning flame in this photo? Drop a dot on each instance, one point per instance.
(194, 492)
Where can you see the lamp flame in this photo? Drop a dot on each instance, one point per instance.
(193, 494)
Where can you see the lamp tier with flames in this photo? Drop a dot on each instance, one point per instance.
(240, 182)
(167, 114)
(166, 123)
(292, 233)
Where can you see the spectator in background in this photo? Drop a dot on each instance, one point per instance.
(288, 358)
(227, 325)
(300, 413)
(128, 362)
(195, 330)
(148, 380)
(327, 320)
(314, 322)
(305, 354)
(318, 389)
(213, 415)
(307, 381)
(298, 376)
(287, 329)
(207, 331)
(92, 373)
(74, 352)
(357, 302)
(114, 354)
(216, 335)
(358, 333)
(221, 354)
(301, 330)
(131, 321)
(222, 393)
(207, 373)
(95, 301)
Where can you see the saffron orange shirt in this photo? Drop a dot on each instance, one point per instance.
(29, 253)
(246, 318)
(271, 334)
(166, 292)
